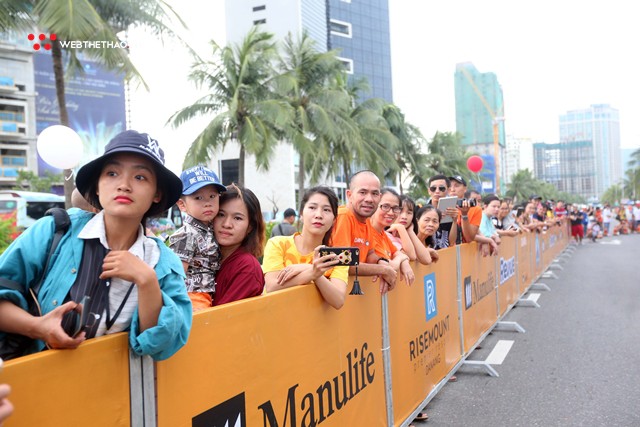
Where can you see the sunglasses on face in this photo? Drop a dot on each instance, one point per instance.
(386, 208)
(442, 188)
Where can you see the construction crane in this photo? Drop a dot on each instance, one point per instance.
(496, 120)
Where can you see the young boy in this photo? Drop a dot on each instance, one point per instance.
(194, 242)
(135, 283)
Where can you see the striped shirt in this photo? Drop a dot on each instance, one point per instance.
(143, 248)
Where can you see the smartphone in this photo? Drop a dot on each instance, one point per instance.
(346, 255)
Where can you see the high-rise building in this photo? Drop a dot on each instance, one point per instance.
(479, 111)
(17, 109)
(518, 155)
(569, 166)
(599, 124)
(358, 30)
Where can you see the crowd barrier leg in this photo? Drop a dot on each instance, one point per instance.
(530, 301)
(540, 287)
(142, 386)
(509, 327)
(482, 364)
(386, 359)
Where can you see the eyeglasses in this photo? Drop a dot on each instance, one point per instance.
(442, 188)
(386, 207)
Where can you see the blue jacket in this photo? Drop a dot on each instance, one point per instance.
(24, 260)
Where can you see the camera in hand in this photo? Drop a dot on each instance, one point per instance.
(472, 202)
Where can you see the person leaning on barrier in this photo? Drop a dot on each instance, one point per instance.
(239, 229)
(403, 234)
(354, 229)
(470, 212)
(505, 223)
(135, 283)
(296, 260)
(386, 214)
(447, 231)
(491, 208)
(428, 222)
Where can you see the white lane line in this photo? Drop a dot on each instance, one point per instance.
(533, 296)
(499, 352)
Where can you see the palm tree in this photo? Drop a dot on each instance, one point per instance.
(612, 195)
(241, 102)
(522, 186)
(447, 156)
(312, 83)
(84, 20)
(409, 157)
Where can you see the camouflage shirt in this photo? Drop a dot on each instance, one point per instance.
(195, 244)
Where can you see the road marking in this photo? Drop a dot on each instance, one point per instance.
(613, 242)
(499, 352)
(533, 296)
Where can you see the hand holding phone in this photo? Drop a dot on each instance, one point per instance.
(345, 255)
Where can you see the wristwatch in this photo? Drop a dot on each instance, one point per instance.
(465, 217)
(383, 259)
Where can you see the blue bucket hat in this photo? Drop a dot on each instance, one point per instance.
(197, 177)
(142, 144)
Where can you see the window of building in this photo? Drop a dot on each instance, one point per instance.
(229, 171)
(259, 21)
(348, 64)
(259, 8)
(340, 28)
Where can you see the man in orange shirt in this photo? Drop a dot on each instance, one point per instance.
(470, 216)
(353, 228)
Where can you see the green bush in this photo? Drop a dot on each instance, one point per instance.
(8, 232)
(268, 229)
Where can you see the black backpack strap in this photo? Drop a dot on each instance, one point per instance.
(62, 222)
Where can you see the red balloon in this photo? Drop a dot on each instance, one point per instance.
(474, 163)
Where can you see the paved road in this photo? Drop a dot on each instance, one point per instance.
(578, 362)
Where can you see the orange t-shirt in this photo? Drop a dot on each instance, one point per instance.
(382, 245)
(348, 231)
(475, 218)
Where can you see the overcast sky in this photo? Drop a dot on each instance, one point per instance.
(549, 57)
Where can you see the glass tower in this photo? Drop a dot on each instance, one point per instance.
(599, 124)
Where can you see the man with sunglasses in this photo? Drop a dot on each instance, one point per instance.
(439, 187)
(353, 228)
(470, 216)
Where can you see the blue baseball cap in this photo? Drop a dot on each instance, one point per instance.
(197, 177)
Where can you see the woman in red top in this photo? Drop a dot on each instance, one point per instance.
(239, 229)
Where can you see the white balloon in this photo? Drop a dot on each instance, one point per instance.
(60, 147)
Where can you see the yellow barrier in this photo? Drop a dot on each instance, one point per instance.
(88, 386)
(288, 358)
(283, 359)
(479, 302)
(507, 274)
(526, 251)
(425, 332)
